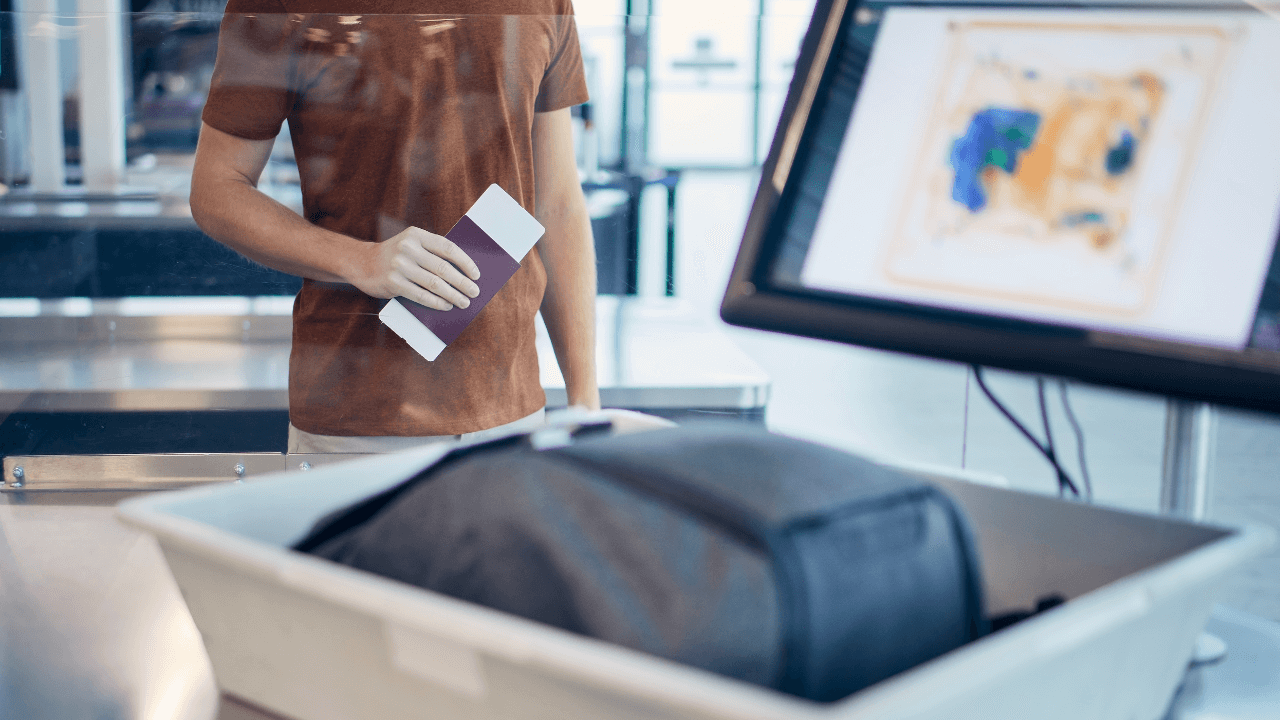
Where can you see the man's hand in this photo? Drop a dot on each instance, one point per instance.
(226, 203)
(421, 266)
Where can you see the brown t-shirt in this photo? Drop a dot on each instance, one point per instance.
(401, 114)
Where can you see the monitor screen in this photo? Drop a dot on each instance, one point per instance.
(1067, 190)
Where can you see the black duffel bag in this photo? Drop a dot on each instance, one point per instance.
(760, 557)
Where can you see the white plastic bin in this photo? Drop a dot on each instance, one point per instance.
(314, 640)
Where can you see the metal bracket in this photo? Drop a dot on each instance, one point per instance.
(38, 473)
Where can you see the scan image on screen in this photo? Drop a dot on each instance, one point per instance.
(1075, 168)
(1049, 175)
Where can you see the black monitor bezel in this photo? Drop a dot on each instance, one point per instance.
(1246, 379)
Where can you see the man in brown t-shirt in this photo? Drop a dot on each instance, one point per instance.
(401, 114)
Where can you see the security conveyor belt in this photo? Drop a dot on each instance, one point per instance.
(79, 367)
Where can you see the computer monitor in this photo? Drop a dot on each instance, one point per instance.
(1089, 191)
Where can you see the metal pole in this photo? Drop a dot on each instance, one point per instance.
(102, 88)
(635, 88)
(1186, 481)
(756, 84)
(42, 84)
(1190, 436)
(670, 290)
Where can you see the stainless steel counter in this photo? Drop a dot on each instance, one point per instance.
(43, 213)
(116, 355)
(142, 240)
(93, 625)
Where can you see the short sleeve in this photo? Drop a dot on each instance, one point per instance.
(564, 84)
(252, 88)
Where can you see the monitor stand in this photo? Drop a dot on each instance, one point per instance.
(1190, 435)
(1186, 478)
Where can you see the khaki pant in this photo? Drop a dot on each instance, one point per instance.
(301, 441)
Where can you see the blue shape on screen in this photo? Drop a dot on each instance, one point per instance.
(995, 138)
(1120, 157)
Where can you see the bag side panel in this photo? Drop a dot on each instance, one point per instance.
(886, 585)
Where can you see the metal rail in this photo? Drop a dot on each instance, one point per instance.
(137, 473)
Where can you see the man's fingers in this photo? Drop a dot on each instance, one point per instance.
(440, 267)
(445, 248)
(431, 282)
(429, 270)
(450, 274)
(437, 265)
(407, 289)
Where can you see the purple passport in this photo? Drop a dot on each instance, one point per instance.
(496, 233)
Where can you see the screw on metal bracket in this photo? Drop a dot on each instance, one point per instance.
(19, 476)
(239, 469)
(305, 466)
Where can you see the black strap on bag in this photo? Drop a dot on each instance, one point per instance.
(349, 517)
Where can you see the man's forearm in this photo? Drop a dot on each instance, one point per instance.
(569, 255)
(569, 303)
(227, 204)
(245, 219)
